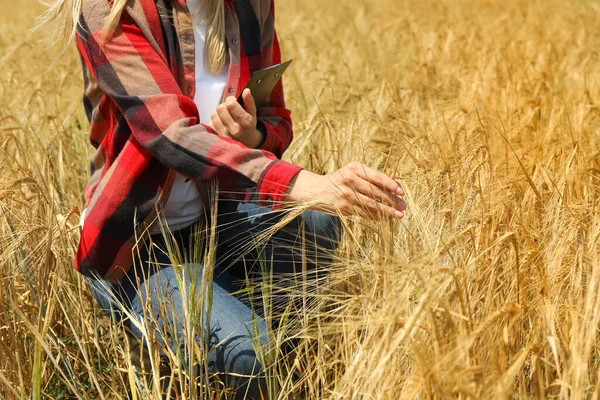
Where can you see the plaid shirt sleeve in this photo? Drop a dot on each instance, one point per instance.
(276, 118)
(137, 77)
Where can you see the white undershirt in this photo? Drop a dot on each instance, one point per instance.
(184, 206)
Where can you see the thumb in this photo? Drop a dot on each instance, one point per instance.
(249, 104)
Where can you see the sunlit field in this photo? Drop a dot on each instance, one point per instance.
(488, 113)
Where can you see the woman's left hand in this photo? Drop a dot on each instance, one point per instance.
(237, 122)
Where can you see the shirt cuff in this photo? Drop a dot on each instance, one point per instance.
(275, 182)
(270, 142)
(260, 126)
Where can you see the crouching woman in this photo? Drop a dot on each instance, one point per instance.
(161, 81)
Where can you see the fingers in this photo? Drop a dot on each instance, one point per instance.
(372, 209)
(217, 124)
(376, 178)
(364, 191)
(227, 120)
(382, 195)
(246, 120)
(237, 112)
(249, 103)
(235, 120)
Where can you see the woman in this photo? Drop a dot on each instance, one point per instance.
(155, 73)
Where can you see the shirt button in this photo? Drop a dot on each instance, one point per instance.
(235, 40)
(231, 91)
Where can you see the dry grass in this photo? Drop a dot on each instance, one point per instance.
(488, 112)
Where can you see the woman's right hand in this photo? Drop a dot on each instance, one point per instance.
(353, 190)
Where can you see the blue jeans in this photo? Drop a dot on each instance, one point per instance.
(306, 242)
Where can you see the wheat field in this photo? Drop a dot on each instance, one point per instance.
(488, 112)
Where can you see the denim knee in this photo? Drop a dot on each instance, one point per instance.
(230, 342)
(326, 228)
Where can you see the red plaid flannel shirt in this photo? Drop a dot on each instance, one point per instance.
(144, 124)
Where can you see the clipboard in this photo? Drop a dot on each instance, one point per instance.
(263, 81)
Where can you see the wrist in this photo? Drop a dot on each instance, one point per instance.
(254, 139)
(298, 189)
(262, 129)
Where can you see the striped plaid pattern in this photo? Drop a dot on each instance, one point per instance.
(139, 90)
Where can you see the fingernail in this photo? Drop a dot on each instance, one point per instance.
(399, 214)
(400, 191)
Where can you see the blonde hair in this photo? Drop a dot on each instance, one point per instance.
(65, 14)
(215, 49)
